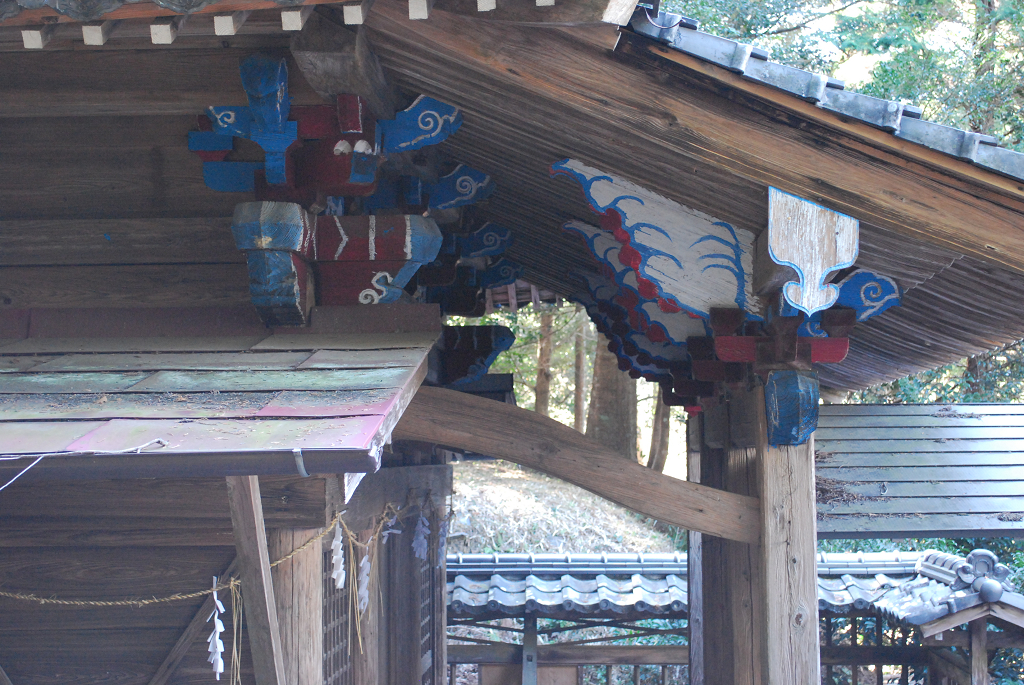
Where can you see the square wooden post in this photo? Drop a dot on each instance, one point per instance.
(788, 554)
(299, 591)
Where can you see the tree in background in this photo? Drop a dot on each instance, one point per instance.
(611, 417)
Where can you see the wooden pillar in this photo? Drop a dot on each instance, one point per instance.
(788, 544)
(718, 654)
(257, 586)
(694, 561)
(979, 651)
(298, 591)
(367, 649)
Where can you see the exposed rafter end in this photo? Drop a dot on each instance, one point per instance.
(98, 32)
(295, 19)
(228, 24)
(36, 37)
(420, 9)
(164, 30)
(355, 13)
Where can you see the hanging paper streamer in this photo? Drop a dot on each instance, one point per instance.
(420, 540)
(363, 581)
(390, 528)
(216, 648)
(338, 557)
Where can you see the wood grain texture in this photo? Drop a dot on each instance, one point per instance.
(4, 680)
(841, 173)
(979, 651)
(130, 83)
(298, 589)
(196, 627)
(450, 418)
(257, 583)
(695, 556)
(198, 285)
(118, 241)
(788, 539)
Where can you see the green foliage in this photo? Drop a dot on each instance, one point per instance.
(521, 359)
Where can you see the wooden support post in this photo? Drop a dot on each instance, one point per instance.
(979, 651)
(788, 544)
(36, 37)
(193, 632)
(228, 24)
(295, 19)
(369, 660)
(298, 590)
(97, 32)
(694, 561)
(257, 584)
(164, 30)
(530, 650)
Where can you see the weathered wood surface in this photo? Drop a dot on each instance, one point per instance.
(117, 241)
(122, 83)
(916, 469)
(298, 589)
(583, 13)
(144, 10)
(254, 569)
(572, 654)
(288, 502)
(4, 680)
(133, 285)
(815, 242)
(788, 539)
(557, 77)
(196, 627)
(450, 418)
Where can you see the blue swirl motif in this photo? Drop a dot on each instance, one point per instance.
(733, 263)
(869, 293)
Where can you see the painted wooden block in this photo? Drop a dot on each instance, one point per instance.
(489, 240)
(459, 296)
(685, 257)
(502, 272)
(645, 314)
(869, 294)
(425, 122)
(791, 406)
(467, 352)
(461, 187)
(321, 167)
(231, 177)
(277, 239)
(370, 259)
(265, 81)
(815, 242)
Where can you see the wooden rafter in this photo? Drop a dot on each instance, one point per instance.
(460, 420)
(258, 587)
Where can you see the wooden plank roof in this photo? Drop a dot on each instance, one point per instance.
(920, 470)
(333, 392)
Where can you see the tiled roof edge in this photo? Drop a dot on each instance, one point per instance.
(902, 120)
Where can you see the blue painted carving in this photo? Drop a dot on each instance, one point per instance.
(231, 177)
(335, 206)
(425, 243)
(386, 197)
(426, 122)
(489, 240)
(276, 238)
(868, 293)
(412, 190)
(463, 346)
(208, 141)
(364, 168)
(502, 272)
(265, 120)
(694, 261)
(463, 186)
(791, 406)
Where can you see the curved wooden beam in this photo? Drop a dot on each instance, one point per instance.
(484, 426)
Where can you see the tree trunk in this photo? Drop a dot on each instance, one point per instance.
(543, 387)
(660, 431)
(581, 373)
(611, 417)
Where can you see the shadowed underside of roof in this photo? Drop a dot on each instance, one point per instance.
(514, 129)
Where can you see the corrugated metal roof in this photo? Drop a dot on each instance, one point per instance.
(920, 470)
(909, 587)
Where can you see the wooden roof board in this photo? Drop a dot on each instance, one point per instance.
(916, 470)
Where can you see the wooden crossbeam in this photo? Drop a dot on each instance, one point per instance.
(484, 426)
(257, 585)
(196, 627)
